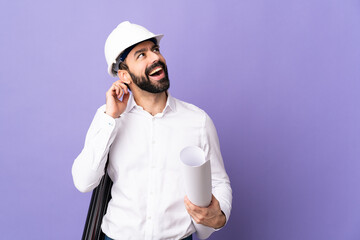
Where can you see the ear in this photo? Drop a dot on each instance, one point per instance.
(124, 76)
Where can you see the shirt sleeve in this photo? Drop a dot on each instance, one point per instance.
(221, 188)
(88, 167)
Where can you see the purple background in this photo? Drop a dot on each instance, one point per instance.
(280, 79)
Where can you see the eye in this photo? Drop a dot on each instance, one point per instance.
(156, 49)
(140, 55)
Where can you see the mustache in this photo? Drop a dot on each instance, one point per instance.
(155, 65)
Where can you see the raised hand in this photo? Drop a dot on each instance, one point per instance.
(114, 106)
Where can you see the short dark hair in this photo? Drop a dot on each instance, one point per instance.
(119, 65)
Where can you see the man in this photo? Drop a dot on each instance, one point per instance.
(143, 134)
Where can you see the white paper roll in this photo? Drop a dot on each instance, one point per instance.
(197, 175)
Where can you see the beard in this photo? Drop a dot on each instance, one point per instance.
(144, 82)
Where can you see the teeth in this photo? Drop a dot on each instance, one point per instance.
(155, 71)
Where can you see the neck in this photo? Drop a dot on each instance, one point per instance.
(153, 103)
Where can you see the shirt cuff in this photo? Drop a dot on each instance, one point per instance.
(225, 208)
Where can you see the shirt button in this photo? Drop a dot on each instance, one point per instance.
(153, 141)
(149, 218)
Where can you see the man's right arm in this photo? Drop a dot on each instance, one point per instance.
(88, 167)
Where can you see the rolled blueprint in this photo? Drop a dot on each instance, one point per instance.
(197, 175)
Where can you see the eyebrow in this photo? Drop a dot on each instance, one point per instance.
(139, 51)
(155, 46)
(144, 49)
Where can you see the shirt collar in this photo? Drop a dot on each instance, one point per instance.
(131, 103)
(170, 103)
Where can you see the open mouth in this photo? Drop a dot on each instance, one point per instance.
(156, 72)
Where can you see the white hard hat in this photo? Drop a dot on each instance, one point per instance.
(125, 35)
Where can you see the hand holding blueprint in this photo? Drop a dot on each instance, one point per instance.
(197, 174)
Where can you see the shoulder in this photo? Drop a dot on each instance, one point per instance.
(185, 107)
(191, 115)
(190, 111)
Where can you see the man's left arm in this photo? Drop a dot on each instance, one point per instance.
(218, 212)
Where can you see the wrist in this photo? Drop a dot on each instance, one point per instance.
(111, 114)
(221, 220)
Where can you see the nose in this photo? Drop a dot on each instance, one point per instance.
(154, 57)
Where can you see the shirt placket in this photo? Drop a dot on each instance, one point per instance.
(150, 211)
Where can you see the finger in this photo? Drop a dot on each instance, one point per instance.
(191, 213)
(122, 81)
(125, 88)
(189, 208)
(196, 209)
(122, 86)
(112, 91)
(213, 198)
(214, 203)
(120, 93)
(126, 98)
(188, 203)
(196, 219)
(119, 90)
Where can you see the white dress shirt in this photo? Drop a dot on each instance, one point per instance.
(148, 187)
